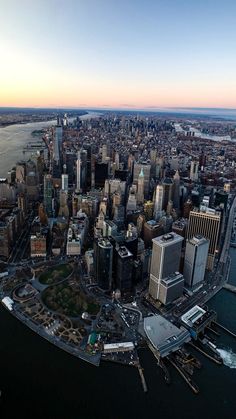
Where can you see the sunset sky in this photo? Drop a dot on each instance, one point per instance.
(118, 53)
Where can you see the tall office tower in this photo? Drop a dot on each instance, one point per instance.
(20, 172)
(188, 206)
(167, 191)
(103, 263)
(146, 171)
(63, 210)
(194, 170)
(78, 173)
(171, 288)
(227, 187)
(140, 192)
(57, 144)
(104, 153)
(89, 148)
(22, 203)
(153, 156)
(206, 224)
(175, 193)
(42, 215)
(180, 226)
(124, 269)
(131, 163)
(74, 205)
(151, 229)
(70, 158)
(103, 206)
(195, 260)
(116, 200)
(47, 194)
(106, 188)
(64, 182)
(119, 215)
(32, 185)
(132, 203)
(83, 170)
(99, 225)
(166, 253)
(117, 161)
(101, 174)
(158, 202)
(169, 208)
(148, 210)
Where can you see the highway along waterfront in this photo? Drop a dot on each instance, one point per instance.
(41, 378)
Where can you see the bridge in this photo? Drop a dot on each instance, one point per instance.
(230, 287)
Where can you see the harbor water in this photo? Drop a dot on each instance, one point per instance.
(41, 381)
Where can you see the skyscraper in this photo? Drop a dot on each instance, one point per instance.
(167, 191)
(47, 194)
(158, 202)
(146, 171)
(63, 210)
(104, 153)
(206, 224)
(78, 173)
(166, 253)
(103, 263)
(140, 193)
(175, 194)
(64, 182)
(194, 170)
(195, 260)
(124, 269)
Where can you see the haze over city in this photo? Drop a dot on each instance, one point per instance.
(118, 54)
(117, 209)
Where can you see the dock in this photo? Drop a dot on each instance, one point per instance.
(225, 329)
(204, 353)
(140, 370)
(230, 287)
(184, 375)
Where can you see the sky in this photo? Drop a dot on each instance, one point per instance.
(118, 53)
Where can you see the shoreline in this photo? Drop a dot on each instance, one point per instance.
(8, 124)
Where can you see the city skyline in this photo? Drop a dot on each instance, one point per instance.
(118, 54)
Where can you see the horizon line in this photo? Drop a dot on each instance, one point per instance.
(128, 107)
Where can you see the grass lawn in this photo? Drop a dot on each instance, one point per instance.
(63, 299)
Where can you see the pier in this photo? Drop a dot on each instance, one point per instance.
(225, 329)
(204, 353)
(140, 370)
(186, 378)
(230, 287)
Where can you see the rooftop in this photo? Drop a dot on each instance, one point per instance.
(164, 335)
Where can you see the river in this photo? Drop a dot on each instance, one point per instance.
(14, 138)
(42, 381)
